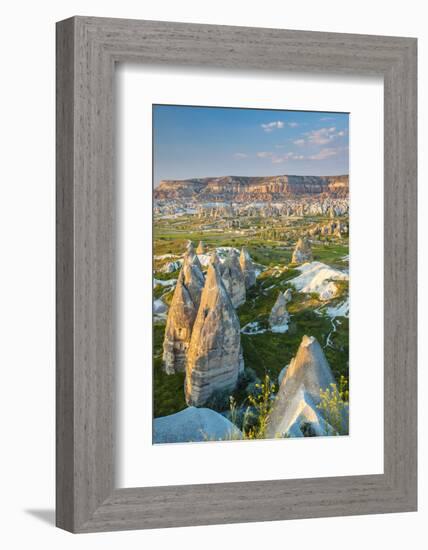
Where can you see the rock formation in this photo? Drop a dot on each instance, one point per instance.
(193, 424)
(279, 317)
(215, 260)
(288, 295)
(302, 252)
(193, 275)
(264, 188)
(182, 313)
(233, 279)
(295, 410)
(316, 277)
(201, 248)
(214, 356)
(178, 331)
(247, 268)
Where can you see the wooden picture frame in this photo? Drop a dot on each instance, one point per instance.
(87, 50)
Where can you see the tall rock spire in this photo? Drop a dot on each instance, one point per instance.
(182, 313)
(299, 393)
(179, 324)
(233, 279)
(214, 358)
(247, 268)
(279, 317)
(201, 248)
(302, 252)
(193, 275)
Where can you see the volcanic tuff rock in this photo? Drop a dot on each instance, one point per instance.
(179, 324)
(182, 313)
(201, 248)
(214, 356)
(288, 295)
(247, 268)
(279, 317)
(233, 279)
(193, 275)
(295, 406)
(302, 252)
(193, 424)
(261, 188)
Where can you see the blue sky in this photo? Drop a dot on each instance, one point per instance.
(192, 142)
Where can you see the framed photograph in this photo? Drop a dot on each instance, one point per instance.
(236, 274)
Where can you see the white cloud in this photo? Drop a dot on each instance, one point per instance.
(323, 136)
(270, 126)
(299, 142)
(278, 159)
(293, 124)
(240, 155)
(324, 154)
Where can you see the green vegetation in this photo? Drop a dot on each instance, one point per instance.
(168, 394)
(334, 404)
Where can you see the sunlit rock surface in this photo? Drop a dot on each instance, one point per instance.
(214, 356)
(233, 279)
(179, 324)
(295, 406)
(201, 248)
(279, 317)
(247, 268)
(193, 424)
(319, 278)
(302, 252)
(288, 295)
(193, 276)
(264, 188)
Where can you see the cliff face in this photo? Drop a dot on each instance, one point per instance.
(241, 187)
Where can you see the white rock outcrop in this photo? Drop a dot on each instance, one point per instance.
(193, 424)
(319, 278)
(295, 407)
(214, 358)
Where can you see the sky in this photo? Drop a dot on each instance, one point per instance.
(196, 142)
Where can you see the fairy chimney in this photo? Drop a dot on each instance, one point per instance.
(296, 402)
(179, 324)
(233, 279)
(247, 268)
(214, 358)
(302, 252)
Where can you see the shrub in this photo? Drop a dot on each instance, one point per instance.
(261, 403)
(334, 406)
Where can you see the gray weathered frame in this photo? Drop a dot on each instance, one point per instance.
(87, 50)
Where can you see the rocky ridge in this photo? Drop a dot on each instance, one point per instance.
(244, 187)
